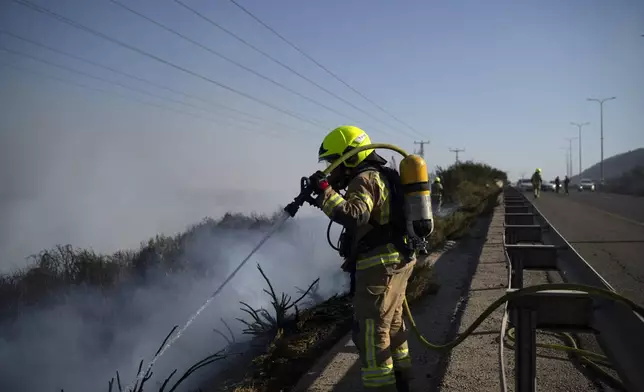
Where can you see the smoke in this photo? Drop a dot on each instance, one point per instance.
(106, 185)
(77, 345)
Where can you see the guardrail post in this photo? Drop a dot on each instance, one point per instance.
(525, 351)
(515, 234)
(518, 209)
(530, 257)
(519, 218)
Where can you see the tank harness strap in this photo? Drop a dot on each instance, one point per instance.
(379, 234)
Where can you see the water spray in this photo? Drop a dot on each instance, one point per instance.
(276, 226)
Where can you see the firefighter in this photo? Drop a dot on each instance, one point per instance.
(437, 194)
(566, 182)
(377, 258)
(557, 184)
(536, 183)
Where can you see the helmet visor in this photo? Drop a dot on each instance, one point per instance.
(328, 160)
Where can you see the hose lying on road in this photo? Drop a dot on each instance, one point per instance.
(593, 291)
(584, 354)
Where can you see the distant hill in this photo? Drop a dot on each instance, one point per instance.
(614, 166)
(623, 173)
(629, 183)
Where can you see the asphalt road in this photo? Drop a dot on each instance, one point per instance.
(607, 230)
(631, 207)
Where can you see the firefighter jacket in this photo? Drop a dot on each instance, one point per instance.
(437, 190)
(536, 179)
(366, 200)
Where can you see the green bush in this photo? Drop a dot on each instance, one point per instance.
(51, 272)
(466, 182)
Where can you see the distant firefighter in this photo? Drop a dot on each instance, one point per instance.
(536, 183)
(437, 194)
(557, 184)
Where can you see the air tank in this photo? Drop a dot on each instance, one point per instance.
(416, 191)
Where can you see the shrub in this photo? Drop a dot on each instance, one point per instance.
(461, 180)
(265, 323)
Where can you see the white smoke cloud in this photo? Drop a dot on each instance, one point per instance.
(79, 344)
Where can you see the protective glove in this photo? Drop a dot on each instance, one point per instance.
(318, 182)
(337, 178)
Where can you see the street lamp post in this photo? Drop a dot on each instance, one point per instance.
(567, 161)
(570, 139)
(579, 125)
(601, 127)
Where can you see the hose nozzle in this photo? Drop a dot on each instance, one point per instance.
(306, 190)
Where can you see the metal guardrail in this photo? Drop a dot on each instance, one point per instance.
(532, 243)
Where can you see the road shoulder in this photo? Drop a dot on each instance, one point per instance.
(474, 365)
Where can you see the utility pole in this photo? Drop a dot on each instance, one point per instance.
(579, 125)
(567, 161)
(570, 139)
(456, 150)
(421, 152)
(601, 128)
(393, 163)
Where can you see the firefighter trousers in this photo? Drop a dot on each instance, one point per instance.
(437, 202)
(379, 331)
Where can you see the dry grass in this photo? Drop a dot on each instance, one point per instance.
(140, 383)
(263, 322)
(421, 283)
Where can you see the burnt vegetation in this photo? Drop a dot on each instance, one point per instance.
(290, 335)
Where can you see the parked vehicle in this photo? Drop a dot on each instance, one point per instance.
(524, 184)
(586, 185)
(548, 186)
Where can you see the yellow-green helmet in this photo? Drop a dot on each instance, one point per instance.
(538, 170)
(342, 140)
(437, 179)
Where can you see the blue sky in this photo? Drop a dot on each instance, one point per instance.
(501, 79)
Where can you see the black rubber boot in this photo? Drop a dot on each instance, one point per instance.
(402, 384)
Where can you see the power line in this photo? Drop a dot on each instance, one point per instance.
(69, 69)
(142, 102)
(214, 52)
(79, 26)
(211, 103)
(322, 66)
(276, 61)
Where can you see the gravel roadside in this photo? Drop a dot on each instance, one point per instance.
(474, 365)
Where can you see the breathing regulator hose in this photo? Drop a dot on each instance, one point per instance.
(588, 356)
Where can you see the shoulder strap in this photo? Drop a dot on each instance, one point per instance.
(395, 230)
(393, 183)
